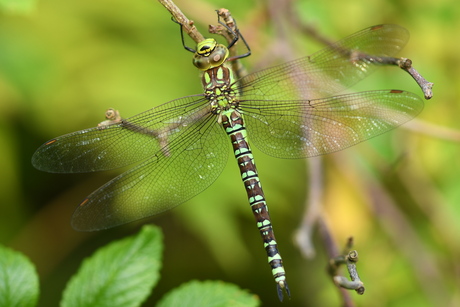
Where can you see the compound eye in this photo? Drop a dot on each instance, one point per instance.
(218, 56)
(201, 62)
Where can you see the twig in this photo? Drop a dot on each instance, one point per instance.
(406, 65)
(349, 258)
(332, 251)
(220, 29)
(403, 63)
(187, 25)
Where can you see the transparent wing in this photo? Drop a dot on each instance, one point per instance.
(184, 148)
(306, 128)
(167, 179)
(328, 71)
(117, 145)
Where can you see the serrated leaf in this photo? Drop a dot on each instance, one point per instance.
(17, 6)
(209, 294)
(122, 273)
(18, 280)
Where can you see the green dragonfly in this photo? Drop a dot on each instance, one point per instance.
(291, 110)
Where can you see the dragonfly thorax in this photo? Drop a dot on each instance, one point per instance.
(209, 54)
(217, 85)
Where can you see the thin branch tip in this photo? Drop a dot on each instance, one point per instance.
(350, 259)
(426, 87)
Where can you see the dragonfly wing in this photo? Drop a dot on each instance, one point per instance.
(112, 146)
(191, 163)
(328, 71)
(307, 128)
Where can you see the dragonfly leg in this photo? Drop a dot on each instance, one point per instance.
(234, 32)
(182, 36)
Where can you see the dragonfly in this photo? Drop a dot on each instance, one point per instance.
(298, 109)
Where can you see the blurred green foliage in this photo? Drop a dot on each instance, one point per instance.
(64, 63)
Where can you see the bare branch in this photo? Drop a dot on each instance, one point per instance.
(349, 258)
(403, 63)
(406, 65)
(332, 251)
(187, 24)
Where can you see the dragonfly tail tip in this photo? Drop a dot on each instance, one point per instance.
(282, 285)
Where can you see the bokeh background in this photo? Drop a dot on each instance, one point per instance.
(63, 63)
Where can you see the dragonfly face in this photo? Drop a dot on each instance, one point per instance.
(210, 54)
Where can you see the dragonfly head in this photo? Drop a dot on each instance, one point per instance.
(209, 54)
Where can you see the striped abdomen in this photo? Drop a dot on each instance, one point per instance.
(234, 127)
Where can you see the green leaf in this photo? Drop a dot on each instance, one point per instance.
(207, 294)
(122, 273)
(17, 6)
(18, 280)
